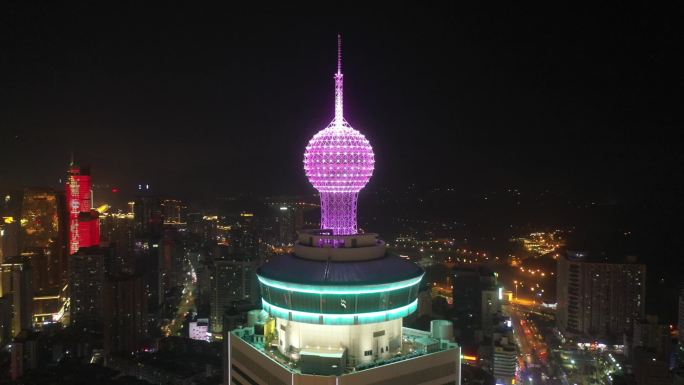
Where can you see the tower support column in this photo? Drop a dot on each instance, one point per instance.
(338, 212)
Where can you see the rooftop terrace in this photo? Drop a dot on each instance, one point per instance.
(415, 343)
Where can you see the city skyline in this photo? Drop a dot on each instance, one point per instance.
(190, 196)
(512, 117)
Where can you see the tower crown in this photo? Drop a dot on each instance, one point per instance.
(339, 158)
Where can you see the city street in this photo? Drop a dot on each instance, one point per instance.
(534, 361)
(185, 306)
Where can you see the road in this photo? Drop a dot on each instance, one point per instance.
(185, 306)
(533, 350)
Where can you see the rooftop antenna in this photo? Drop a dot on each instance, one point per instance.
(339, 118)
(339, 54)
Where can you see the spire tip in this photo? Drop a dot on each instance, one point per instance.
(339, 54)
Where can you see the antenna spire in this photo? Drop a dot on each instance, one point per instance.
(339, 118)
(339, 54)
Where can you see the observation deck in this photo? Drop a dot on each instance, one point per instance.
(339, 280)
(323, 245)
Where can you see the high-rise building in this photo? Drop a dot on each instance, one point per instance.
(598, 298)
(233, 278)
(467, 303)
(25, 354)
(10, 203)
(647, 368)
(174, 212)
(42, 238)
(490, 302)
(504, 361)
(118, 230)
(87, 276)
(149, 217)
(287, 218)
(89, 229)
(653, 336)
(9, 237)
(125, 313)
(5, 320)
(680, 318)
(205, 227)
(84, 228)
(16, 298)
(10, 213)
(148, 230)
(287, 224)
(476, 303)
(171, 259)
(333, 310)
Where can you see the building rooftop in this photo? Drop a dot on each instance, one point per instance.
(596, 257)
(415, 343)
(290, 268)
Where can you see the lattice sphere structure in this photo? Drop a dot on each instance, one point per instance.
(339, 162)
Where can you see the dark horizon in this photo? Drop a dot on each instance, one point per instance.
(226, 101)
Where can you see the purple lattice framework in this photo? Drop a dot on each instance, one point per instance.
(339, 162)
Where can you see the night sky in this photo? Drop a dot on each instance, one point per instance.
(200, 101)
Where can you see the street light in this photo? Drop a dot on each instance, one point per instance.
(516, 289)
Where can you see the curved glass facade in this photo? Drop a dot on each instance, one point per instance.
(339, 300)
(339, 319)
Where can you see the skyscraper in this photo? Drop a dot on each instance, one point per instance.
(289, 221)
(16, 298)
(174, 211)
(42, 238)
(680, 318)
(476, 303)
(9, 237)
(125, 313)
(233, 278)
(467, 304)
(89, 229)
(334, 308)
(504, 361)
(87, 275)
(597, 298)
(148, 230)
(149, 217)
(79, 195)
(117, 228)
(172, 252)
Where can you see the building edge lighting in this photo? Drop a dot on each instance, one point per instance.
(339, 319)
(338, 289)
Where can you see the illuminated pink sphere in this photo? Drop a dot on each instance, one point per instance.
(339, 159)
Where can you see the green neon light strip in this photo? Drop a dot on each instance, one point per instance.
(325, 289)
(340, 319)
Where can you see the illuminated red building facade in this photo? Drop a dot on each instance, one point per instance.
(89, 228)
(84, 225)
